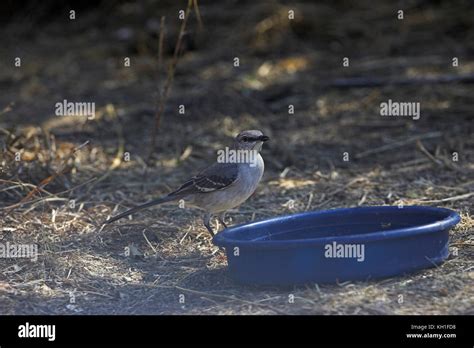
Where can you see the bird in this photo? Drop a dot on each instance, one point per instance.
(223, 185)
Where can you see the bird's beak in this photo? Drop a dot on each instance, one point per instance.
(263, 138)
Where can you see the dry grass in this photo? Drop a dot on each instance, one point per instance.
(281, 63)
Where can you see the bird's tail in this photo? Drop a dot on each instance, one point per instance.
(161, 200)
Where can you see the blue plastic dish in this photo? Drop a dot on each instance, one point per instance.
(338, 245)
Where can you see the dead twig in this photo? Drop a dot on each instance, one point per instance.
(425, 152)
(198, 14)
(397, 144)
(169, 81)
(18, 184)
(330, 195)
(47, 180)
(148, 241)
(232, 298)
(161, 41)
(310, 200)
(449, 199)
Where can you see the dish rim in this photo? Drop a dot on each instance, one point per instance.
(452, 218)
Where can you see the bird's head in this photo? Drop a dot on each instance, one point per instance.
(250, 140)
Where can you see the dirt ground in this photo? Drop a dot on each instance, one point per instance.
(172, 267)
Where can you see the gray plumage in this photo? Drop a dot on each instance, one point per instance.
(219, 187)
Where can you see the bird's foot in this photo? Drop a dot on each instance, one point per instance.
(221, 221)
(209, 228)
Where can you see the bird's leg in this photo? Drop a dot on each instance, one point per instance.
(221, 219)
(207, 222)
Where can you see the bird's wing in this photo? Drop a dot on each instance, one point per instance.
(213, 178)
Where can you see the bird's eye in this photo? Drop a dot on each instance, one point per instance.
(245, 139)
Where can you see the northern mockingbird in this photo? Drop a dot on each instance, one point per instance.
(223, 185)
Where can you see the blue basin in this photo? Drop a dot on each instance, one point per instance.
(338, 245)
